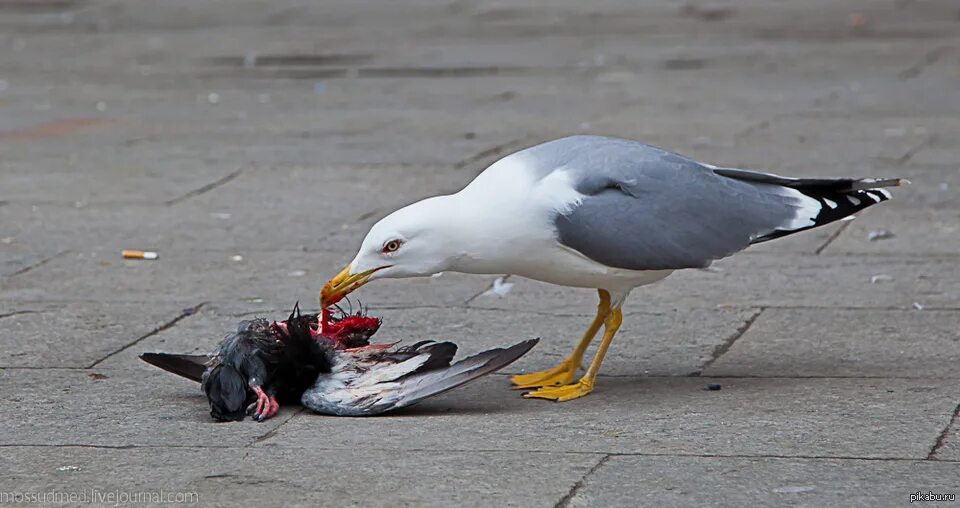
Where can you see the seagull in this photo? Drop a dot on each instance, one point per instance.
(596, 212)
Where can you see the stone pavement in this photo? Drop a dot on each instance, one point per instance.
(252, 143)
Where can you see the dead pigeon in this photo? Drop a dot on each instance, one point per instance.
(265, 363)
(337, 372)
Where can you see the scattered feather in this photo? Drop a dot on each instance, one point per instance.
(879, 234)
(500, 287)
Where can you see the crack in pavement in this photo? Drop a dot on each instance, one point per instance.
(492, 152)
(206, 188)
(565, 500)
(914, 150)
(942, 438)
(833, 236)
(727, 344)
(38, 264)
(273, 432)
(17, 313)
(932, 57)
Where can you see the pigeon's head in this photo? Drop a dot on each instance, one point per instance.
(417, 240)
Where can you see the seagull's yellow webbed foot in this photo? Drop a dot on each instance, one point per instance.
(560, 375)
(586, 383)
(563, 374)
(563, 393)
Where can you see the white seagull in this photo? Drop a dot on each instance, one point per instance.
(596, 212)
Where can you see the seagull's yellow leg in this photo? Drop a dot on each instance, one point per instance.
(585, 385)
(562, 374)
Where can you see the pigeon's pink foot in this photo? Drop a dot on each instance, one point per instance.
(265, 406)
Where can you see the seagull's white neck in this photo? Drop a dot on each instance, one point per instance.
(502, 225)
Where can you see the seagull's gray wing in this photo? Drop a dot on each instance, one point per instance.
(645, 208)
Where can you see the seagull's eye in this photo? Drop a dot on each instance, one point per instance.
(391, 246)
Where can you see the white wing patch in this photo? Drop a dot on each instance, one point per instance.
(807, 209)
(556, 190)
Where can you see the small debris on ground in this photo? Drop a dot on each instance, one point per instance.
(236, 258)
(879, 234)
(712, 387)
(880, 278)
(917, 305)
(500, 287)
(793, 489)
(139, 254)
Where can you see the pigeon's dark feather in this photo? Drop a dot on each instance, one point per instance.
(441, 354)
(427, 384)
(188, 366)
(226, 389)
(377, 383)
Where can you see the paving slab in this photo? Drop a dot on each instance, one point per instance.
(273, 477)
(77, 334)
(845, 342)
(674, 416)
(933, 232)
(100, 407)
(737, 481)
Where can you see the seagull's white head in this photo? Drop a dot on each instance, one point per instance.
(417, 240)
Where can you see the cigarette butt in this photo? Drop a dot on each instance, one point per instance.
(139, 254)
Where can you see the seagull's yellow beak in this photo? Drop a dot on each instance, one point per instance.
(343, 284)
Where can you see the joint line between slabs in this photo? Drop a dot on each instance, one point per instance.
(185, 313)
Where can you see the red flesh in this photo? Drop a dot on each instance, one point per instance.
(339, 330)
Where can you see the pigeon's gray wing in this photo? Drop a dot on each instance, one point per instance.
(188, 366)
(644, 208)
(358, 397)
